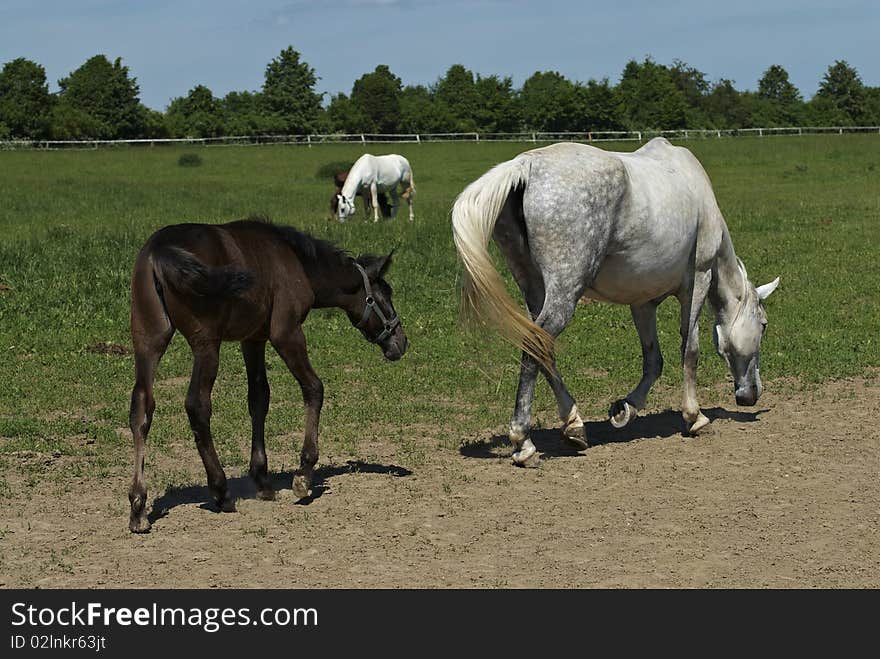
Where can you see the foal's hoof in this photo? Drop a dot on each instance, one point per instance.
(621, 413)
(575, 436)
(300, 486)
(226, 505)
(698, 425)
(139, 525)
(266, 495)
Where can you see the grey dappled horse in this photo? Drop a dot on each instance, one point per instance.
(631, 228)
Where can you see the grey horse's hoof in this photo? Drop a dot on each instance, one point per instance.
(575, 436)
(527, 456)
(697, 425)
(139, 525)
(621, 413)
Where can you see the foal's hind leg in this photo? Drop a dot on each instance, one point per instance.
(151, 330)
(148, 352)
(645, 319)
(198, 409)
(291, 346)
(258, 405)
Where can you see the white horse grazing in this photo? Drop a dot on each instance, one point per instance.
(377, 173)
(629, 228)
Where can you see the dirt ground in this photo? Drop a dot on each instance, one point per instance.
(783, 495)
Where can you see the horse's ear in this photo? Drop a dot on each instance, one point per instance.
(384, 263)
(765, 290)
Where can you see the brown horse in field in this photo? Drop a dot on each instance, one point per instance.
(381, 197)
(249, 281)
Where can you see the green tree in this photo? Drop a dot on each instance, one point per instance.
(289, 93)
(649, 97)
(550, 102)
(244, 114)
(376, 97)
(842, 95)
(106, 94)
(496, 110)
(420, 113)
(198, 114)
(727, 107)
(25, 102)
(344, 116)
(693, 84)
(457, 93)
(778, 101)
(598, 107)
(872, 106)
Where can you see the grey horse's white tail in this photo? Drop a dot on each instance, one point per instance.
(484, 296)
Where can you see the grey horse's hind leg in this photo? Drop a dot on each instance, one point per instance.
(510, 237)
(557, 313)
(645, 319)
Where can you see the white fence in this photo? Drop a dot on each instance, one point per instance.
(418, 138)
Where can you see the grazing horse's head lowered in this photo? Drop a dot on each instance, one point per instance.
(344, 207)
(738, 331)
(373, 313)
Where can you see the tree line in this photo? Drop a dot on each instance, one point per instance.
(100, 100)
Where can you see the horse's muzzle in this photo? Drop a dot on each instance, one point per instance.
(747, 396)
(396, 346)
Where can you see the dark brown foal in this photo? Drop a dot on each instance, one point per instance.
(252, 282)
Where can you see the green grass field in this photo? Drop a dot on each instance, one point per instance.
(71, 223)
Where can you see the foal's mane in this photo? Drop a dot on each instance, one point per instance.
(310, 250)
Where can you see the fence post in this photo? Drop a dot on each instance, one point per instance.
(640, 135)
(477, 136)
(760, 132)
(363, 139)
(533, 138)
(309, 140)
(418, 139)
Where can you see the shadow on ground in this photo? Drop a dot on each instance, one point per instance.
(656, 425)
(242, 487)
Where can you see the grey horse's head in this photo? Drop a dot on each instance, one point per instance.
(738, 337)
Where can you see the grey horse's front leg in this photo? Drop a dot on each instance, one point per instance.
(645, 319)
(694, 419)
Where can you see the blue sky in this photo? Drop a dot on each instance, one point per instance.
(172, 45)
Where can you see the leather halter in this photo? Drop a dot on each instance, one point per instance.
(389, 324)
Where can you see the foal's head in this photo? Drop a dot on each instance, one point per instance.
(738, 336)
(372, 311)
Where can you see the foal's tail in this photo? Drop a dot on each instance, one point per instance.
(484, 296)
(187, 275)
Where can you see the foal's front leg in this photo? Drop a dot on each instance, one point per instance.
(198, 409)
(291, 346)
